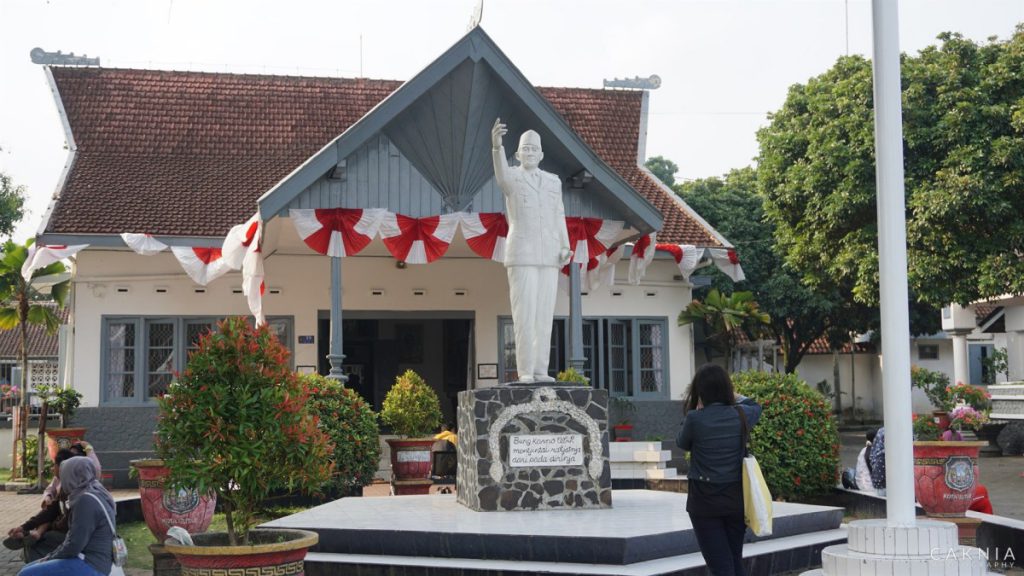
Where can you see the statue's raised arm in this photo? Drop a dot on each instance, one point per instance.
(498, 155)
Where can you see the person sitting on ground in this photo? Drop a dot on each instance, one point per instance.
(863, 471)
(86, 550)
(876, 457)
(82, 448)
(42, 533)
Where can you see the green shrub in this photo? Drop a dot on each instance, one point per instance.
(935, 385)
(411, 407)
(352, 427)
(237, 422)
(571, 375)
(32, 458)
(796, 441)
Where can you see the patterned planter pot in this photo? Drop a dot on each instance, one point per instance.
(58, 438)
(161, 509)
(410, 464)
(283, 554)
(945, 474)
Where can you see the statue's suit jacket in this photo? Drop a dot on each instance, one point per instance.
(536, 219)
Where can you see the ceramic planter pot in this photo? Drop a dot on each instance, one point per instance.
(58, 438)
(942, 419)
(163, 509)
(410, 464)
(945, 474)
(279, 552)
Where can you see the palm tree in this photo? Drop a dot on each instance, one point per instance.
(22, 302)
(726, 318)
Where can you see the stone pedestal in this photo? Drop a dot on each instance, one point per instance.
(164, 563)
(929, 547)
(533, 447)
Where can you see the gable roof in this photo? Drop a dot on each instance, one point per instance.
(40, 344)
(187, 154)
(441, 121)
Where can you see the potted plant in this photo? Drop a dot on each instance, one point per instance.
(63, 401)
(624, 409)
(352, 427)
(936, 386)
(946, 469)
(237, 423)
(413, 411)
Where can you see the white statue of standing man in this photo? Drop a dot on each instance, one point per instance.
(536, 248)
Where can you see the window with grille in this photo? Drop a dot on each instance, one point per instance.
(626, 356)
(141, 355)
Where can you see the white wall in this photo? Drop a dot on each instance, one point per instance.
(859, 379)
(304, 281)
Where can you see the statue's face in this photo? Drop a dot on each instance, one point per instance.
(529, 155)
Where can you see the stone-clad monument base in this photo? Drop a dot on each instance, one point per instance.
(533, 447)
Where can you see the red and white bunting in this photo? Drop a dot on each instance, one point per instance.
(640, 259)
(485, 233)
(591, 236)
(599, 271)
(253, 285)
(41, 256)
(337, 232)
(241, 240)
(685, 255)
(202, 264)
(728, 262)
(143, 244)
(418, 240)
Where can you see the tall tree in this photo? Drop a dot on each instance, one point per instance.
(800, 315)
(12, 204)
(964, 143)
(663, 168)
(24, 302)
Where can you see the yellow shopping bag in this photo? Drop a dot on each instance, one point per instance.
(757, 500)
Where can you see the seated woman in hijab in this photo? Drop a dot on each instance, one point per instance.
(86, 550)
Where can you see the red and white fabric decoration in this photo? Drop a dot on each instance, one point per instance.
(241, 240)
(728, 262)
(253, 285)
(143, 244)
(41, 256)
(337, 232)
(486, 233)
(418, 240)
(685, 255)
(640, 259)
(202, 264)
(589, 237)
(599, 271)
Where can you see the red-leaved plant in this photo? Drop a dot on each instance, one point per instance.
(237, 422)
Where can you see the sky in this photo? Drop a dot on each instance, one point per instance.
(724, 64)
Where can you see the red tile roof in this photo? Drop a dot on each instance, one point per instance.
(40, 344)
(822, 346)
(189, 153)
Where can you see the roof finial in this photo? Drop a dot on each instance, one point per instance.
(58, 58)
(651, 83)
(478, 13)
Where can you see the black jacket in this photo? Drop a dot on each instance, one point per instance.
(712, 436)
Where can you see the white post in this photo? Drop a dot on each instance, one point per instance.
(961, 372)
(892, 263)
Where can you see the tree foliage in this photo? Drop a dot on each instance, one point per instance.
(663, 168)
(963, 110)
(12, 204)
(799, 314)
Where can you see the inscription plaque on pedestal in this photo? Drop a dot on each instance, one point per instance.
(545, 450)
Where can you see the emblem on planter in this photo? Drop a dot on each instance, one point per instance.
(959, 473)
(181, 502)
